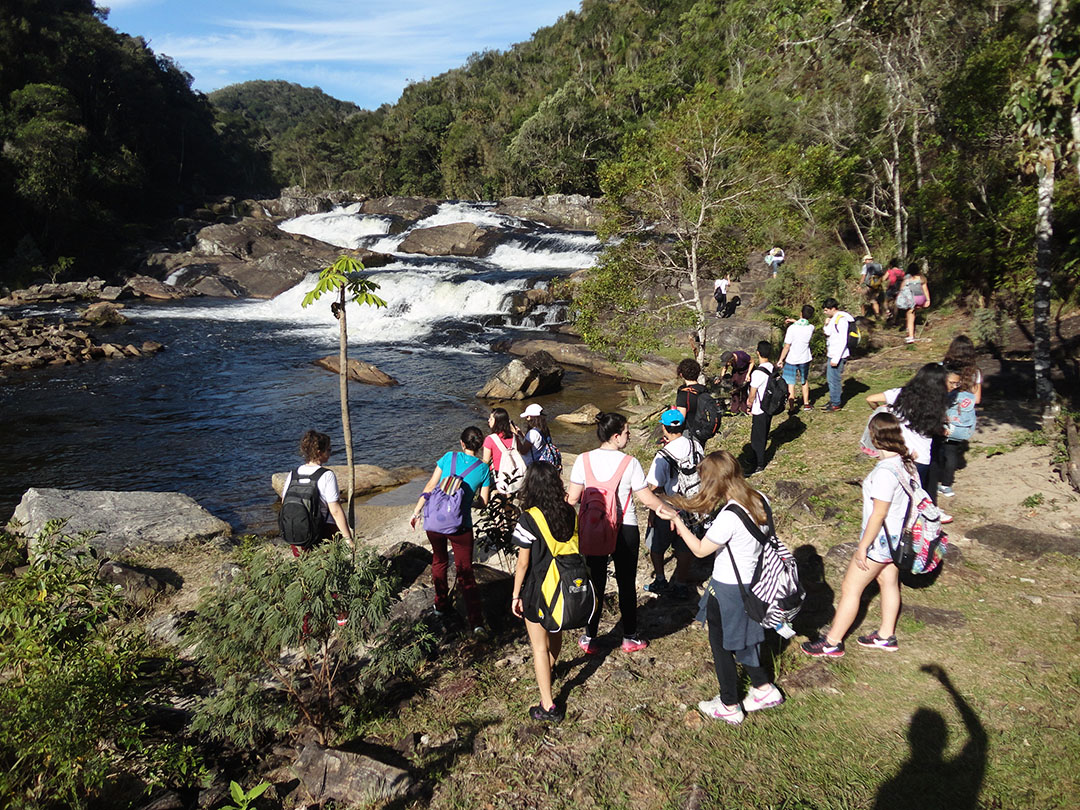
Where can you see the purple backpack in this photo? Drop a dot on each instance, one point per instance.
(443, 508)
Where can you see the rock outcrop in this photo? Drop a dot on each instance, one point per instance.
(27, 343)
(573, 212)
(124, 521)
(457, 239)
(357, 370)
(328, 774)
(535, 374)
(585, 415)
(408, 209)
(578, 354)
(252, 257)
(61, 293)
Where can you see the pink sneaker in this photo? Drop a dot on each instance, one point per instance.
(588, 646)
(633, 644)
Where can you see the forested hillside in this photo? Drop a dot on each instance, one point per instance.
(98, 132)
(865, 122)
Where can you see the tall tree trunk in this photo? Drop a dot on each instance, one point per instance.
(898, 208)
(1044, 233)
(916, 154)
(1076, 138)
(343, 387)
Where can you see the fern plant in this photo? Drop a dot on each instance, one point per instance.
(293, 642)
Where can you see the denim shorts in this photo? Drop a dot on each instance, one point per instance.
(791, 369)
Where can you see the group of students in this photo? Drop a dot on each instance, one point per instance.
(900, 291)
(700, 505)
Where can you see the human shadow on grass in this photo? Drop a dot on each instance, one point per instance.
(928, 780)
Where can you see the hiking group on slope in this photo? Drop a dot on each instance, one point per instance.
(699, 505)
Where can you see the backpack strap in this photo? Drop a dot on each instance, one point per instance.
(545, 531)
(748, 522)
(470, 468)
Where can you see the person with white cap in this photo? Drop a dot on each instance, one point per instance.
(539, 437)
(872, 278)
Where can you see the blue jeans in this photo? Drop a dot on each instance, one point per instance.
(835, 377)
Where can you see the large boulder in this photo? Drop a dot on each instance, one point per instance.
(328, 774)
(357, 370)
(533, 375)
(409, 209)
(103, 313)
(147, 287)
(572, 212)
(457, 239)
(295, 202)
(252, 257)
(369, 478)
(124, 521)
(655, 371)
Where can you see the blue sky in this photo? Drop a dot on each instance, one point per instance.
(360, 51)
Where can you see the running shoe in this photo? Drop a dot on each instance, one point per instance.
(808, 407)
(718, 710)
(944, 490)
(552, 715)
(588, 646)
(633, 644)
(909, 340)
(830, 408)
(657, 586)
(763, 699)
(823, 649)
(878, 643)
(946, 517)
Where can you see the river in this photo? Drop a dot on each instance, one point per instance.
(223, 407)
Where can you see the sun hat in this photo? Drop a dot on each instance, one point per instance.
(867, 258)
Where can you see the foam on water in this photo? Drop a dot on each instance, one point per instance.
(515, 255)
(416, 302)
(450, 213)
(344, 227)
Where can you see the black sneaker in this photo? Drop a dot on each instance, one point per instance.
(552, 715)
(876, 642)
(823, 649)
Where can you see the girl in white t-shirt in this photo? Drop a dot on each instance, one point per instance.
(315, 448)
(733, 636)
(604, 463)
(885, 507)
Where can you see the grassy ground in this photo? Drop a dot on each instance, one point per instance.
(996, 726)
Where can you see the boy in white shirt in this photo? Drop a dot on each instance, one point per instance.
(795, 357)
(835, 330)
(761, 421)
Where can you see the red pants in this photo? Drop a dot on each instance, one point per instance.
(462, 545)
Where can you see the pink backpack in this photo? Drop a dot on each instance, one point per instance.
(600, 517)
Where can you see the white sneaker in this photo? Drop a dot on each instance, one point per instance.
(945, 516)
(718, 710)
(765, 698)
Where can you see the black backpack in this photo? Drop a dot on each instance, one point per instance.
(300, 518)
(775, 396)
(854, 337)
(704, 423)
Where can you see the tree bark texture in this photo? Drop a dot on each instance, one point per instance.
(1044, 234)
(343, 388)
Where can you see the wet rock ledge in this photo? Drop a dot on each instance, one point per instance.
(27, 343)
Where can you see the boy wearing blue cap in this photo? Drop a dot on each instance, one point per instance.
(673, 472)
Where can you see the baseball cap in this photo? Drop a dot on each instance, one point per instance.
(672, 417)
(532, 410)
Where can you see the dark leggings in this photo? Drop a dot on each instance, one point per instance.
(928, 476)
(724, 660)
(759, 436)
(949, 459)
(625, 557)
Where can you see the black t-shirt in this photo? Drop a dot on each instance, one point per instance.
(688, 398)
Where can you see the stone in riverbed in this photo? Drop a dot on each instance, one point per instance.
(358, 370)
(456, 239)
(125, 520)
(532, 376)
(368, 478)
(585, 415)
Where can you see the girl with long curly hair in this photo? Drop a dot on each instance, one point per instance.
(885, 508)
(542, 490)
(733, 636)
(965, 393)
(920, 405)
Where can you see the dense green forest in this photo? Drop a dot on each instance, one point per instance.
(99, 134)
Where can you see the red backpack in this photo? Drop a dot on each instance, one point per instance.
(600, 517)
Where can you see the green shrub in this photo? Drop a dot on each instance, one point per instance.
(271, 641)
(70, 697)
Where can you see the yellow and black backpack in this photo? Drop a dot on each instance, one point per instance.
(564, 592)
